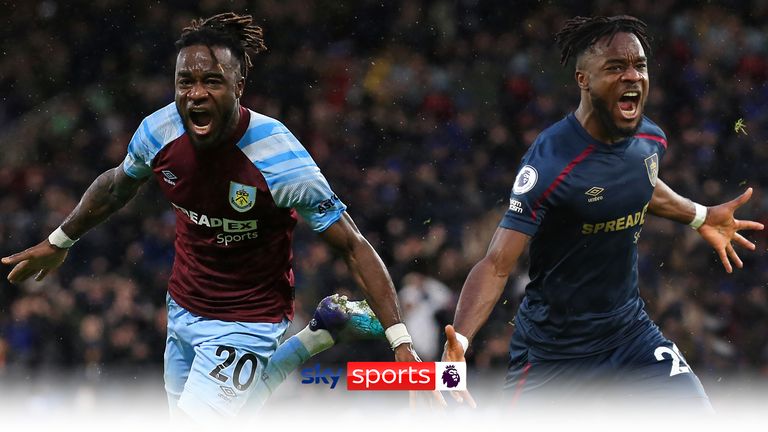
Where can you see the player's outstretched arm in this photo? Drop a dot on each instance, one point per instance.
(486, 281)
(108, 193)
(366, 267)
(481, 292)
(373, 278)
(720, 228)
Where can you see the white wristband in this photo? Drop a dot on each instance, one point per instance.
(397, 335)
(701, 215)
(463, 341)
(60, 239)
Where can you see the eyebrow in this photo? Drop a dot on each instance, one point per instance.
(623, 60)
(208, 74)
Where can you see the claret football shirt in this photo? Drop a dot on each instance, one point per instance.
(236, 208)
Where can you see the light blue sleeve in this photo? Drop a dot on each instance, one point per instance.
(292, 175)
(155, 131)
(311, 196)
(137, 161)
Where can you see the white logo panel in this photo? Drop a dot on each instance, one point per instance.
(450, 376)
(525, 180)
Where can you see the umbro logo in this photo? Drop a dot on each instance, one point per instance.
(227, 394)
(169, 177)
(594, 193)
(228, 391)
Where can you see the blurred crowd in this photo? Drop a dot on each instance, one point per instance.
(418, 113)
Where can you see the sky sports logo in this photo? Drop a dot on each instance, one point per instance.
(376, 376)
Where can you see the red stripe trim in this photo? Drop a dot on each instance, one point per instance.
(654, 138)
(560, 178)
(520, 384)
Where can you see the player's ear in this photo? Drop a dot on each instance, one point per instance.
(582, 68)
(582, 79)
(240, 87)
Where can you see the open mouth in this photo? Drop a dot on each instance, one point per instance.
(629, 104)
(201, 121)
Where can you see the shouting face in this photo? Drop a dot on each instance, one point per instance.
(208, 86)
(614, 75)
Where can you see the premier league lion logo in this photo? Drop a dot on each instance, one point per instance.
(525, 180)
(451, 377)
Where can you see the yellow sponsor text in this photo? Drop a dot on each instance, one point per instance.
(619, 224)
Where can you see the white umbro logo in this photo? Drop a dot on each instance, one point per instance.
(595, 193)
(169, 177)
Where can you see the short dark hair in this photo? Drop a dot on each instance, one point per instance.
(580, 33)
(228, 30)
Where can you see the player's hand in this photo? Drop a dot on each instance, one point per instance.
(721, 228)
(38, 260)
(406, 353)
(454, 352)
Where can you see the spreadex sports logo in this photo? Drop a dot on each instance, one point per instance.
(233, 230)
(406, 376)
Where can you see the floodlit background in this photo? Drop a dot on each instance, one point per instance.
(418, 113)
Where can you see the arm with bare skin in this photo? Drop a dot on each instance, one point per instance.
(481, 292)
(373, 278)
(720, 227)
(107, 194)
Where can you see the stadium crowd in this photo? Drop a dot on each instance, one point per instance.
(418, 113)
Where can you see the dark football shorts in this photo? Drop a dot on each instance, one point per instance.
(647, 370)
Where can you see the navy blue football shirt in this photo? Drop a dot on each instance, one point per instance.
(584, 203)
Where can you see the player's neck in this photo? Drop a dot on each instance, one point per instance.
(589, 120)
(233, 122)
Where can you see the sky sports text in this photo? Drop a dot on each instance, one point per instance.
(406, 376)
(318, 375)
(429, 376)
